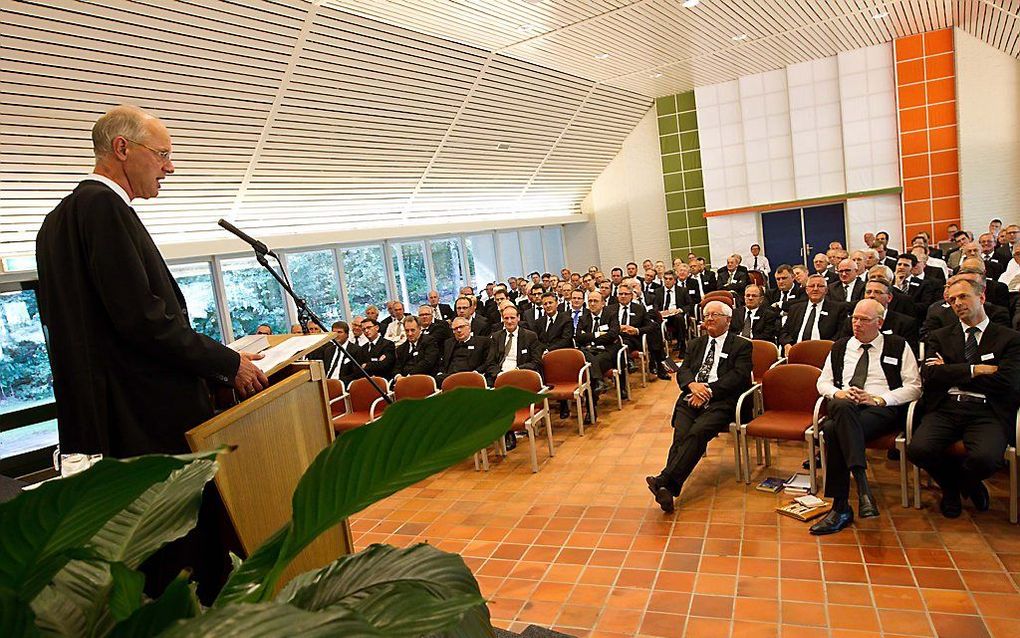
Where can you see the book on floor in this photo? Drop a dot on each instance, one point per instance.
(796, 510)
(799, 483)
(771, 484)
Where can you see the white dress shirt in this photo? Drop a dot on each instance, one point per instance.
(807, 315)
(763, 264)
(395, 332)
(510, 361)
(713, 374)
(981, 333)
(876, 384)
(114, 186)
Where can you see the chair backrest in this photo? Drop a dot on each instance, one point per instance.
(724, 296)
(415, 386)
(812, 353)
(757, 278)
(363, 394)
(334, 388)
(524, 379)
(563, 365)
(469, 379)
(763, 355)
(791, 387)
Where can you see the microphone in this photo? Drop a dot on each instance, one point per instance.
(256, 245)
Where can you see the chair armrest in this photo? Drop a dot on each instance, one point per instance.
(817, 415)
(911, 413)
(779, 361)
(371, 410)
(585, 371)
(740, 401)
(1016, 441)
(544, 389)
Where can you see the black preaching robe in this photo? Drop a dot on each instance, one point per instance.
(129, 372)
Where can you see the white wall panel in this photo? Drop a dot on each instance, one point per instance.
(721, 134)
(868, 105)
(768, 146)
(816, 130)
(872, 214)
(732, 234)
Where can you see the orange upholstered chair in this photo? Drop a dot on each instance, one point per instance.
(568, 376)
(812, 353)
(359, 399)
(526, 418)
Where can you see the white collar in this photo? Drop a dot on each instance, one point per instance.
(878, 342)
(981, 326)
(114, 186)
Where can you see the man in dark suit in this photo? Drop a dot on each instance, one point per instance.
(994, 264)
(435, 328)
(513, 347)
(786, 292)
(531, 309)
(732, 278)
(636, 325)
(755, 320)
(130, 375)
(849, 288)
(419, 354)
(867, 376)
(711, 378)
(465, 307)
(555, 329)
(674, 305)
(1005, 250)
(378, 356)
(911, 279)
(996, 292)
(883, 237)
(893, 323)
(971, 374)
(701, 281)
(817, 318)
(597, 336)
(649, 286)
(440, 310)
(821, 264)
(466, 351)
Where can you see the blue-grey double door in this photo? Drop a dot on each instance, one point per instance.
(795, 235)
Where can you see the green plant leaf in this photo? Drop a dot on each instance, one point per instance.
(402, 592)
(413, 440)
(475, 624)
(272, 620)
(178, 602)
(16, 617)
(80, 591)
(41, 526)
(126, 590)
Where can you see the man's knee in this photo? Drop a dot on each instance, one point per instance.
(983, 463)
(836, 407)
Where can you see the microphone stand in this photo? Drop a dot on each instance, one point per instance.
(302, 307)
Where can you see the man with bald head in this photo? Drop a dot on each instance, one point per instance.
(716, 370)
(849, 288)
(440, 310)
(466, 351)
(597, 336)
(130, 375)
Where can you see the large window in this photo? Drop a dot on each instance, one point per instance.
(411, 273)
(313, 276)
(195, 281)
(365, 271)
(253, 297)
(25, 377)
(510, 255)
(552, 240)
(481, 254)
(447, 267)
(531, 251)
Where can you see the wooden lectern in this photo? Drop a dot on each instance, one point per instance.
(277, 432)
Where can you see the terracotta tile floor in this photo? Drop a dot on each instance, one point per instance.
(581, 546)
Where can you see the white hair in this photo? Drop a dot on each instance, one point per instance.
(127, 121)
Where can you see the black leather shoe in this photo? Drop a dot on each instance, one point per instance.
(833, 522)
(663, 374)
(632, 368)
(664, 499)
(653, 483)
(978, 495)
(564, 411)
(893, 454)
(950, 505)
(807, 463)
(866, 507)
(510, 440)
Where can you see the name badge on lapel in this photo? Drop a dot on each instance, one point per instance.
(524, 351)
(887, 332)
(891, 361)
(471, 347)
(988, 356)
(724, 355)
(824, 313)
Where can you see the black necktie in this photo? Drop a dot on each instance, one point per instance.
(970, 348)
(809, 325)
(509, 340)
(706, 367)
(668, 299)
(847, 293)
(548, 324)
(626, 316)
(861, 371)
(755, 263)
(746, 330)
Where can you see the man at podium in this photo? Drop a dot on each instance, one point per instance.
(130, 375)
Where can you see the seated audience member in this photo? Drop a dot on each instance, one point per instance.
(547, 280)
(419, 354)
(800, 274)
(512, 291)
(596, 335)
(635, 325)
(615, 279)
(433, 327)
(395, 329)
(901, 302)
(357, 333)
(297, 329)
(1008, 241)
(883, 237)
(817, 318)
(466, 351)
(821, 264)
(377, 356)
(869, 238)
(660, 268)
(994, 226)
(575, 280)
(384, 324)
(513, 347)
(632, 270)
(563, 296)
(606, 288)
(715, 373)
(326, 353)
(933, 267)
(494, 306)
(343, 367)
(884, 258)
(467, 291)
(564, 274)
(1012, 269)
(264, 329)
(787, 290)
(440, 310)
(758, 262)
(971, 374)
(465, 307)
(576, 311)
(555, 330)
(733, 279)
(535, 277)
(531, 307)
(755, 320)
(701, 281)
(867, 377)
(870, 261)
(674, 305)
(962, 240)
(994, 266)
(911, 279)
(893, 323)
(996, 292)
(849, 288)
(648, 285)
(372, 312)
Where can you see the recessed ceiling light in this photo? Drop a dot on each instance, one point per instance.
(690, 4)
(879, 15)
(655, 75)
(739, 38)
(527, 28)
(601, 56)
(503, 146)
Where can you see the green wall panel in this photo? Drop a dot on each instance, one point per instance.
(681, 174)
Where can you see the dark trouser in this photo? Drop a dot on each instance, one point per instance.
(677, 326)
(982, 433)
(601, 360)
(655, 351)
(693, 428)
(847, 431)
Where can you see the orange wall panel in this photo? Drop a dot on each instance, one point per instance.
(929, 161)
